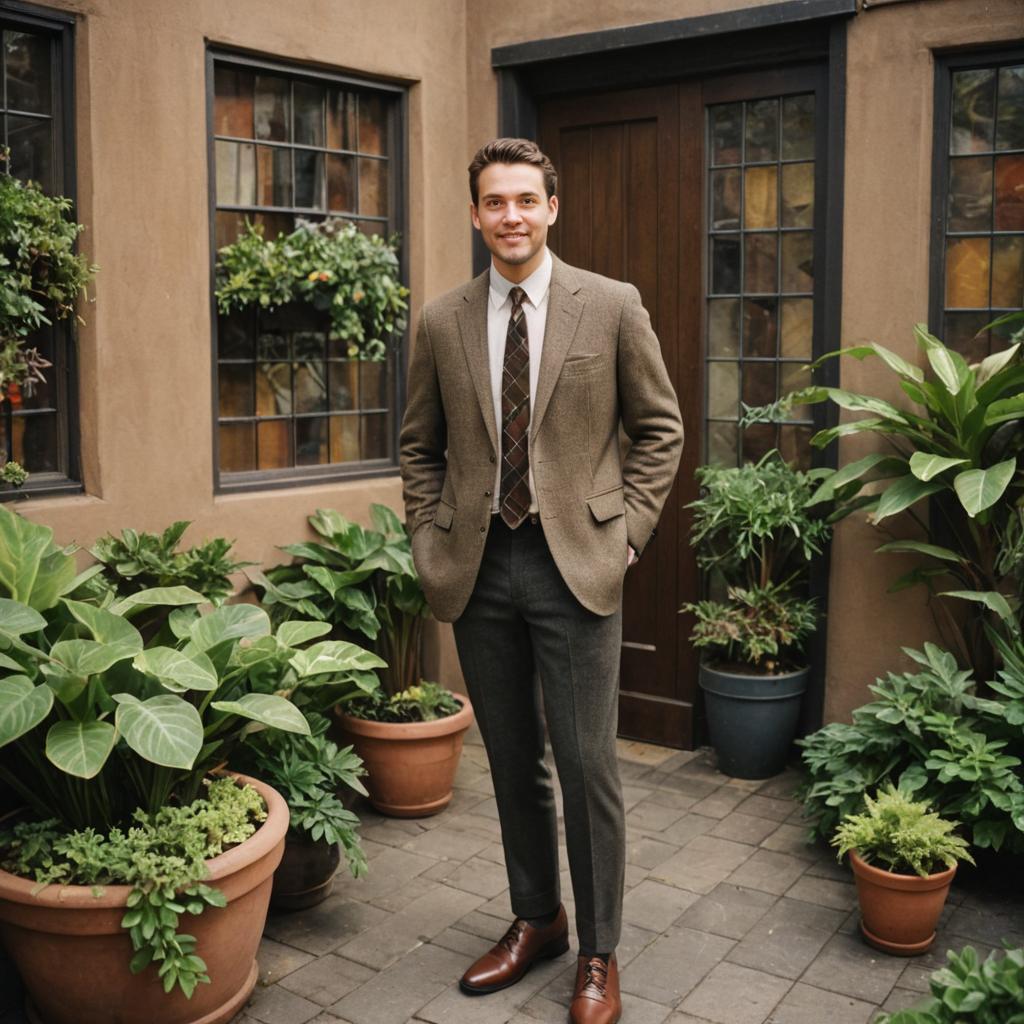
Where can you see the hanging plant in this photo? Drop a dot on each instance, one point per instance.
(332, 266)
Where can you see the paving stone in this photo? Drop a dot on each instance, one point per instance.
(640, 1011)
(391, 831)
(743, 828)
(472, 947)
(446, 844)
(702, 863)
(783, 786)
(653, 816)
(688, 827)
(806, 1005)
(476, 875)
(390, 871)
(412, 890)
(634, 875)
(655, 906)
(990, 924)
(825, 892)
(276, 960)
(672, 798)
(849, 966)
(731, 994)
(769, 871)
(275, 1005)
(903, 999)
(829, 867)
(327, 979)
(396, 994)
(647, 853)
(632, 795)
(483, 925)
(683, 782)
(633, 940)
(501, 906)
(767, 807)
(787, 938)
(721, 802)
(727, 910)
(673, 964)
(919, 969)
(323, 928)
(479, 824)
(381, 944)
(686, 1018)
(494, 852)
(792, 839)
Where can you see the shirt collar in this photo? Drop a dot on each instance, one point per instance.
(536, 285)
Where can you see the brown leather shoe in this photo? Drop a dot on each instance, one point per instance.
(516, 952)
(596, 998)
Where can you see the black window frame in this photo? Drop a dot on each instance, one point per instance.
(297, 476)
(945, 65)
(60, 27)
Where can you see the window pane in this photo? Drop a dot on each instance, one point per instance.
(236, 173)
(1010, 120)
(758, 440)
(372, 124)
(725, 265)
(726, 132)
(341, 120)
(344, 438)
(964, 333)
(31, 143)
(967, 270)
(793, 377)
(723, 390)
(798, 262)
(34, 442)
(27, 57)
(341, 187)
(273, 389)
(760, 197)
(760, 267)
(373, 385)
(228, 227)
(235, 334)
(373, 188)
(974, 95)
(275, 224)
(274, 438)
(273, 108)
(311, 441)
(1010, 193)
(725, 199)
(724, 327)
(274, 176)
(237, 447)
(309, 114)
(798, 127)
(759, 328)
(762, 131)
(759, 383)
(375, 436)
(1008, 272)
(309, 179)
(236, 389)
(723, 440)
(344, 385)
(797, 328)
(232, 104)
(798, 195)
(795, 445)
(310, 384)
(970, 193)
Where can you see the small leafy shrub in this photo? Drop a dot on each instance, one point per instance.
(161, 856)
(331, 265)
(423, 703)
(971, 991)
(901, 835)
(933, 736)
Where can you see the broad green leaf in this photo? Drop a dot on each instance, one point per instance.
(825, 437)
(265, 648)
(267, 709)
(1005, 410)
(333, 581)
(164, 729)
(991, 599)
(925, 466)
(854, 471)
(157, 597)
(898, 363)
(385, 521)
(23, 706)
(334, 656)
(902, 494)
(106, 627)
(229, 622)
(313, 552)
(920, 548)
(991, 365)
(947, 365)
(17, 618)
(866, 403)
(87, 657)
(979, 489)
(66, 686)
(80, 748)
(176, 671)
(33, 569)
(291, 634)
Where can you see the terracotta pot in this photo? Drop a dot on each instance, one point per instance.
(899, 912)
(73, 954)
(305, 876)
(410, 766)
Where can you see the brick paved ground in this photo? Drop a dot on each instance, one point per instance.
(729, 918)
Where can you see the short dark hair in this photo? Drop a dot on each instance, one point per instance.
(511, 151)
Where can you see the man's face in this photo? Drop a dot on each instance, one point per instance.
(513, 215)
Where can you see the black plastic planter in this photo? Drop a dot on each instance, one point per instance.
(752, 719)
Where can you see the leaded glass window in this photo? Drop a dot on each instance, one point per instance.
(760, 281)
(287, 145)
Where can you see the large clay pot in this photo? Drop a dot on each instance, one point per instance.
(410, 766)
(305, 876)
(73, 954)
(899, 912)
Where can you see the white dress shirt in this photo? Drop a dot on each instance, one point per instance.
(499, 311)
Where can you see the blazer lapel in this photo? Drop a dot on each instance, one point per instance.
(564, 310)
(472, 316)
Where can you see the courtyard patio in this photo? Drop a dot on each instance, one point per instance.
(729, 917)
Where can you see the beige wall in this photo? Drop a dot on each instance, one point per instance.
(145, 354)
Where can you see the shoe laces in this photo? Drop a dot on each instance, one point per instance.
(511, 937)
(596, 974)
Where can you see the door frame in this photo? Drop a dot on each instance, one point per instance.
(761, 38)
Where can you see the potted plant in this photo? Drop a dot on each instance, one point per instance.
(97, 727)
(352, 278)
(755, 540)
(903, 858)
(363, 582)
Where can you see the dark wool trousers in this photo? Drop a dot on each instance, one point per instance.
(522, 619)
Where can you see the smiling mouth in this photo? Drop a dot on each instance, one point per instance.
(514, 236)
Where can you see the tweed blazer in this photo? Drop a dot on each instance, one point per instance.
(601, 369)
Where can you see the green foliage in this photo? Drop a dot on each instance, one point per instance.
(971, 991)
(308, 771)
(360, 581)
(422, 703)
(755, 537)
(41, 275)
(333, 266)
(901, 835)
(931, 734)
(13, 473)
(161, 856)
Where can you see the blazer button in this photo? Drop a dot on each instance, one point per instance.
(483, 529)
(487, 494)
(492, 458)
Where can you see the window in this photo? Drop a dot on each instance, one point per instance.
(35, 106)
(761, 182)
(286, 145)
(978, 253)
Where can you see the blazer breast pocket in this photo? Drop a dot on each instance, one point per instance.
(585, 364)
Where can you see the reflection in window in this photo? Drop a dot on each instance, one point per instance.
(760, 302)
(983, 213)
(287, 147)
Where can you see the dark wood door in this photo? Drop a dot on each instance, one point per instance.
(629, 166)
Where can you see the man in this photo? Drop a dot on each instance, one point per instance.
(524, 517)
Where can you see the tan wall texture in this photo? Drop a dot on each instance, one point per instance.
(142, 172)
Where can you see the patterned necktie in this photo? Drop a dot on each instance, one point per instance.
(515, 417)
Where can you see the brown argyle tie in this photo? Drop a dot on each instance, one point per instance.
(515, 417)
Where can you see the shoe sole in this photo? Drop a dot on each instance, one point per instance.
(548, 952)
